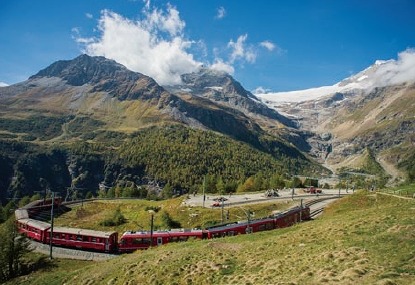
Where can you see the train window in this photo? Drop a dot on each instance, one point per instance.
(137, 241)
(146, 241)
(94, 239)
(261, 228)
(79, 238)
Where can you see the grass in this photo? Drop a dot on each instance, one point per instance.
(365, 238)
(91, 214)
(405, 191)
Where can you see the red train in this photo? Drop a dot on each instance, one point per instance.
(131, 241)
(68, 237)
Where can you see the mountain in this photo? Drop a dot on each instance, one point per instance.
(75, 121)
(223, 89)
(381, 74)
(95, 88)
(370, 110)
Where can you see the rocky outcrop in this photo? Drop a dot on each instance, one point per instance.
(224, 90)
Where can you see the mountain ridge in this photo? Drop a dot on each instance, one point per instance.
(371, 109)
(93, 103)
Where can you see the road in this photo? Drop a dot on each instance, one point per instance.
(253, 198)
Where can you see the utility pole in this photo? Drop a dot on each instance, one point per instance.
(301, 209)
(152, 212)
(204, 186)
(222, 215)
(51, 227)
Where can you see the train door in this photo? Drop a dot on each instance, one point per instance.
(107, 245)
(159, 241)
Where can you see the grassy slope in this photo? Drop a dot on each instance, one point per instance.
(363, 239)
(137, 216)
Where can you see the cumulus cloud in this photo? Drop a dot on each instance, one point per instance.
(396, 71)
(241, 51)
(220, 65)
(89, 15)
(220, 13)
(153, 45)
(268, 45)
(156, 45)
(147, 4)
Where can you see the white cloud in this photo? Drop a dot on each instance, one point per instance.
(220, 65)
(220, 13)
(153, 46)
(2, 84)
(147, 4)
(268, 45)
(396, 71)
(241, 51)
(89, 15)
(157, 20)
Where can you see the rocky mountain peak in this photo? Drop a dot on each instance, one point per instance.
(221, 88)
(85, 69)
(206, 79)
(103, 74)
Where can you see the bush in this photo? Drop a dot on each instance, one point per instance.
(169, 222)
(115, 220)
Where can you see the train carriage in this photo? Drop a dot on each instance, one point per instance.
(242, 227)
(131, 241)
(84, 239)
(33, 229)
(291, 217)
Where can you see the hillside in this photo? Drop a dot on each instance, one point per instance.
(373, 244)
(90, 121)
(372, 109)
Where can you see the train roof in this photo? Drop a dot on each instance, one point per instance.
(172, 232)
(289, 211)
(21, 214)
(237, 224)
(35, 223)
(83, 232)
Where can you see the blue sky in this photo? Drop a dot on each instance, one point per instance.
(275, 45)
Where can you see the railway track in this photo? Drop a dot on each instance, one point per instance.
(317, 205)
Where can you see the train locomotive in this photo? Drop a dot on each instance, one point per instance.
(130, 241)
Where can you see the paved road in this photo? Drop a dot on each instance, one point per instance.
(61, 252)
(251, 198)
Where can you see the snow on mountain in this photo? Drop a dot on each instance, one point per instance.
(2, 84)
(381, 73)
